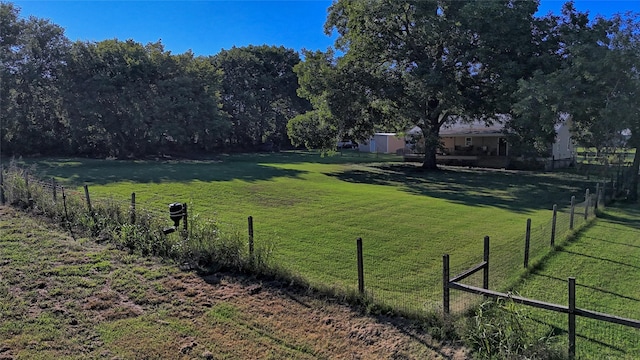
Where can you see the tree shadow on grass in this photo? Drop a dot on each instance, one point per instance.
(593, 288)
(631, 217)
(82, 171)
(517, 191)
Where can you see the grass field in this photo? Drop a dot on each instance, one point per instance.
(605, 260)
(311, 209)
(65, 298)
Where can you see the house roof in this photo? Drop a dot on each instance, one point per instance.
(474, 128)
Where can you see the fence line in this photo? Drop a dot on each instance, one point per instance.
(571, 309)
(542, 239)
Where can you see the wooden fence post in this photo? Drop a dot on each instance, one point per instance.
(445, 284)
(250, 224)
(360, 266)
(553, 224)
(587, 199)
(485, 274)
(572, 318)
(132, 215)
(54, 190)
(527, 242)
(573, 211)
(86, 194)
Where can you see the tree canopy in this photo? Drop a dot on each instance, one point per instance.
(422, 63)
(595, 87)
(123, 99)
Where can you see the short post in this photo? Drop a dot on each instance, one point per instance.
(360, 266)
(527, 242)
(54, 190)
(86, 194)
(573, 211)
(132, 214)
(572, 318)
(445, 284)
(587, 199)
(485, 274)
(250, 221)
(553, 225)
(595, 205)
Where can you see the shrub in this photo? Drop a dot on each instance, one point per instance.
(502, 329)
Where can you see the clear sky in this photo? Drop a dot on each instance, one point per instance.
(206, 27)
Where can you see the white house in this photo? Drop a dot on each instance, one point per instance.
(478, 144)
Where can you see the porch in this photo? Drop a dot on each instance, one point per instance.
(486, 161)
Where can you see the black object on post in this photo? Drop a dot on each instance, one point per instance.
(176, 212)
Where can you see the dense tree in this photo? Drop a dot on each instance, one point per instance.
(32, 53)
(259, 93)
(596, 86)
(427, 63)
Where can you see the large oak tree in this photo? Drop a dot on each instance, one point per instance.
(423, 63)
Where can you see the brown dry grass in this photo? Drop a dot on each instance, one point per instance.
(80, 300)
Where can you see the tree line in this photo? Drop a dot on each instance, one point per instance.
(396, 64)
(124, 99)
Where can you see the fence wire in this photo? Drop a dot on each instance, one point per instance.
(410, 285)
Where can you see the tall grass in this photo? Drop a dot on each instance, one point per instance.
(202, 246)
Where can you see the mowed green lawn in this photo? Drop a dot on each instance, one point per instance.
(312, 208)
(605, 260)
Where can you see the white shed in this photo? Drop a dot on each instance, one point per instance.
(385, 143)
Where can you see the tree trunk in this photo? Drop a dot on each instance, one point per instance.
(429, 162)
(431, 144)
(635, 168)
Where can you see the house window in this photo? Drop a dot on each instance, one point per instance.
(467, 141)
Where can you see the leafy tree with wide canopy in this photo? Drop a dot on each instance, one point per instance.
(423, 63)
(596, 86)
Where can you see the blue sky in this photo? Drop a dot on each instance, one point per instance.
(206, 27)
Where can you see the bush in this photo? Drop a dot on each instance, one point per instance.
(502, 329)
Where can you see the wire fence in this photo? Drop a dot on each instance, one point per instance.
(418, 291)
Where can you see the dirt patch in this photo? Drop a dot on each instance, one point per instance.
(126, 311)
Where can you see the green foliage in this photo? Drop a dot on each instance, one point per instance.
(502, 329)
(421, 63)
(259, 93)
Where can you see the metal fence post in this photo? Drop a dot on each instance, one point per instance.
(553, 224)
(445, 284)
(250, 226)
(485, 274)
(572, 318)
(360, 266)
(527, 242)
